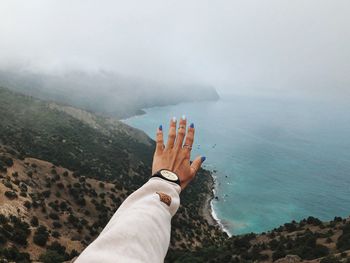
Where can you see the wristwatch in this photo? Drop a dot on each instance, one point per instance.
(167, 175)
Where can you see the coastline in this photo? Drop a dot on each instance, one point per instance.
(208, 210)
(143, 110)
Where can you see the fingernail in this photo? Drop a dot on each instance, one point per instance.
(203, 159)
(184, 117)
(160, 127)
(174, 119)
(192, 125)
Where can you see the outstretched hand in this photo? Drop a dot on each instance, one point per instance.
(175, 156)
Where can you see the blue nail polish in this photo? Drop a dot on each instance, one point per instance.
(203, 159)
(160, 127)
(192, 125)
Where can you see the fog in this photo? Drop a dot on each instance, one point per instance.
(236, 46)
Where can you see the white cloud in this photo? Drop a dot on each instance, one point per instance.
(236, 45)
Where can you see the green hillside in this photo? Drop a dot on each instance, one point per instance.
(100, 148)
(51, 154)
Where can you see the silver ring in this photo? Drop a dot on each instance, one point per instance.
(182, 126)
(187, 146)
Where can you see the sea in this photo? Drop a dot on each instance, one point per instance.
(275, 159)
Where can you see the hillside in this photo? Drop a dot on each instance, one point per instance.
(88, 146)
(104, 92)
(309, 240)
(64, 171)
(49, 212)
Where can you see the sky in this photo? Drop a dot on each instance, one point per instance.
(237, 46)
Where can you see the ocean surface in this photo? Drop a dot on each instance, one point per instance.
(277, 159)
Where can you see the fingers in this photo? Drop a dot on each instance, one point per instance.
(172, 134)
(196, 164)
(189, 141)
(159, 140)
(181, 133)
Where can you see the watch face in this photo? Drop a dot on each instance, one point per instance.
(169, 175)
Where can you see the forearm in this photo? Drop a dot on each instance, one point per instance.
(140, 229)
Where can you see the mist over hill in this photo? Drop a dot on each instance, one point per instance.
(104, 92)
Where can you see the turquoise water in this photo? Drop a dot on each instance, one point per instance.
(276, 159)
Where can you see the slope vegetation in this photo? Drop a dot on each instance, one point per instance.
(60, 154)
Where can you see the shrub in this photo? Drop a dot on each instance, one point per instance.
(60, 185)
(279, 253)
(41, 236)
(3, 168)
(313, 221)
(6, 161)
(20, 231)
(55, 234)
(13, 254)
(290, 227)
(46, 193)
(34, 221)
(51, 256)
(56, 224)
(3, 219)
(337, 219)
(11, 195)
(27, 204)
(343, 242)
(55, 246)
(54, 216)
(8, 184)
(63, 205)
(73, 254)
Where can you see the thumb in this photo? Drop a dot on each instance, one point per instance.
(196, 164)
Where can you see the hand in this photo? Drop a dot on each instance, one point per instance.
(175, 156)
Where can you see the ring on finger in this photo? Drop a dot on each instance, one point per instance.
(182, 127)
(187, 146)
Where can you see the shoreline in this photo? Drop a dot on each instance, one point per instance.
(208, 210)
(143, 111)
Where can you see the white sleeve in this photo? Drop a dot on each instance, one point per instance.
(139, 231)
